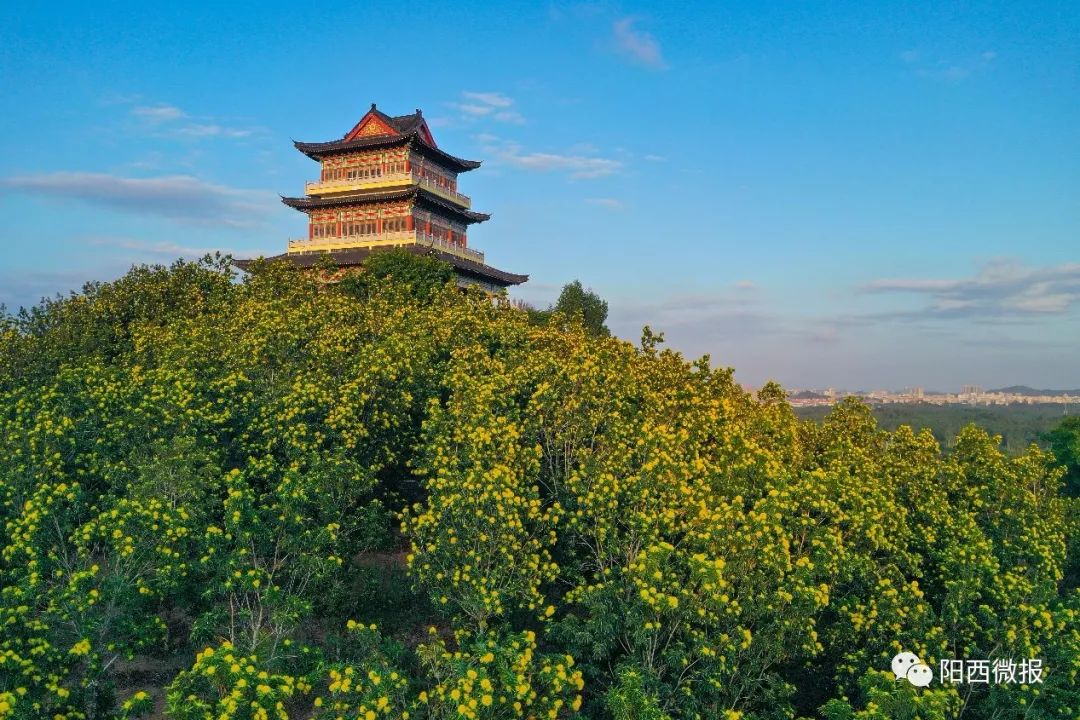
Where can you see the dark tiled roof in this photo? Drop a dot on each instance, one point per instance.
(408, 124)
(317, 150)
(422, 196)
(356, 256)
(409, 129)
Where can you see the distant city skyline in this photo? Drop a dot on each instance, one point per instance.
(968, 395)
(849, 196)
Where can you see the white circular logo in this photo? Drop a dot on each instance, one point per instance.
(908, 666)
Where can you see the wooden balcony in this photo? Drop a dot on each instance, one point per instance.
(389, 239)
(388, 181)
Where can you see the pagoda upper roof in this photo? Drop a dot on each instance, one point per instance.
(356, 256)
(377, 129)
(420, 195)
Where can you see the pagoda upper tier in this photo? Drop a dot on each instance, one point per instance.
(383, 152)
(387, 184)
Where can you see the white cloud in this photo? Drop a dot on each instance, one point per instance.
(199, 130)
(510, 116)
(577, 166)
(949, 69)
(158, 113)
(166, 117)
(474, 110)
(637, 45)
(492, 99)
(155, 248)
(1002, 289)
(491, 105)
(177, 197)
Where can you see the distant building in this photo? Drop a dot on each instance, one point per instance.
(387, 184)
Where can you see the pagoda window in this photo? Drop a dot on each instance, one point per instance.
(324, 230)
(395, 224)
(359, 227)
(364, 172)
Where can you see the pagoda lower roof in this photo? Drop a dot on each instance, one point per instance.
(317, 149)
(422, 196)
(356, 256)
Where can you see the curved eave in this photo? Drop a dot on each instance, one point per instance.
(422, 196)
(316, 151)
(352, 258)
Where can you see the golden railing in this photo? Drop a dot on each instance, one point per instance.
(389, 239)
(389, 180)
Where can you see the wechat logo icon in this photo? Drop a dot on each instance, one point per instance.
(909, 667)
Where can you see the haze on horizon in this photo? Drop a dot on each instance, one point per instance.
(855, 196)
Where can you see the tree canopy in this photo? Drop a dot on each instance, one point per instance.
(1064, 442)
(281, 498)
(576, 304)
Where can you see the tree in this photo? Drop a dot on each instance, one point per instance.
(424, 275)
(1064, 442)
(193, 467)
(577, 302)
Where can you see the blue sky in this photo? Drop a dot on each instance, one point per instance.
(850, 194)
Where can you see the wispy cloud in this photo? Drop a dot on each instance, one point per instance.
(490, 105)
(606, 202)
(157, 113)
(492, 99)
(160, 249)
(199, 130)
(1001, 290)
(637, 45)
(947, 69)
(578, 166)
(178, 197)
(172, 121)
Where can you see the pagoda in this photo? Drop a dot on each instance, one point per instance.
(387, 184)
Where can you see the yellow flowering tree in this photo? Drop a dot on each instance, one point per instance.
(240, 478)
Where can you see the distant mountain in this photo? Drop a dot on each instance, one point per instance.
(1025, 390)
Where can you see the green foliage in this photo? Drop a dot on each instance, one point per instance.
(424, 275)
(1018, 425)
(629, 699)
(1064, 442)
(882, 698)
(388, 498)
(577, 302)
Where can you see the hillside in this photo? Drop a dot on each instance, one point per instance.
(388, 498)
(1032, 392)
